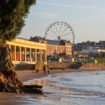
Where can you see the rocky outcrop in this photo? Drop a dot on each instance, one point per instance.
(8, 79)
(10, 84)
(33, 89)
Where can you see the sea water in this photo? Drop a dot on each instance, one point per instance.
(76, 88)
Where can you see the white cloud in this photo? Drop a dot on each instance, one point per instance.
(72, 6)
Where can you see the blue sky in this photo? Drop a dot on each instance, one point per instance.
(87, 18)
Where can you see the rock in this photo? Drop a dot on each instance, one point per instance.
(8, 79)
(33, 89)
(33, 86)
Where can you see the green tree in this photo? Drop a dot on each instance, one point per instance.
(12, 19)
(12, 15)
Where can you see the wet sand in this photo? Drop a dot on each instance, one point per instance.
(25, 75)
(72, 88)
(61, 88)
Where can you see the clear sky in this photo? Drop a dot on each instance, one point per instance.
(87, 18)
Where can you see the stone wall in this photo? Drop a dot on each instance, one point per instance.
(93, 66)
(58, 65)
(25, 67)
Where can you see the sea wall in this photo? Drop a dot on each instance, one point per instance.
(25, 67)
(59, 65)
(51, 65)
(93, 66)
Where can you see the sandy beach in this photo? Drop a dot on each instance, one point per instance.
(67, 87)
(25, 75)
(61, 87)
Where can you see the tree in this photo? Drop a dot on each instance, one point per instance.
(12, 19)
(12, 15)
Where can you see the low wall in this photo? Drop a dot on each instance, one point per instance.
(93, 66)
(58, 65)
(51, 65)
(25, 67)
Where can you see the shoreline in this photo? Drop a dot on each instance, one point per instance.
(25, 75)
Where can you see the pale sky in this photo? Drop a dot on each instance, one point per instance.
(87, 18)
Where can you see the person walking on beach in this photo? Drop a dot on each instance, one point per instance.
(44, 69)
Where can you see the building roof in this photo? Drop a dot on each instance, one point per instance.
(56, 42)
(52, 42)
(36, 38)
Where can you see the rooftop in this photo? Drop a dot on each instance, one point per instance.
(52, 42)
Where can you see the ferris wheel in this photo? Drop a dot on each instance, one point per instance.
(60, 31)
